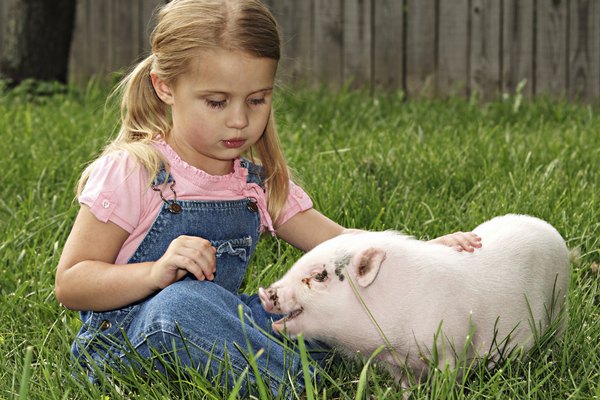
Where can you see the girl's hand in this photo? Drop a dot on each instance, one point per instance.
(185, 254)
(459, 241)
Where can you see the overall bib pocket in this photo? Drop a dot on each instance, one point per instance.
(232, 257)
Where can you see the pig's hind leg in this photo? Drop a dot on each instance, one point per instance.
(401, 372)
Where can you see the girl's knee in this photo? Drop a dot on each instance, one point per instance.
(190, 299)
(190, 308)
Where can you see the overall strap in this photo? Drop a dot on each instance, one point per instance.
(162, 176)
(256, 173)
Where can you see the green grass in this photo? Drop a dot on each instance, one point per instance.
(374, 162)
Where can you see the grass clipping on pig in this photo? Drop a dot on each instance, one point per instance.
(427, 305)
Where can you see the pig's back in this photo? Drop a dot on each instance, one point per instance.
(505, 282)
(522, 245)
(520, 229)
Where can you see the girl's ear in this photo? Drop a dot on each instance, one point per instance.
(163, 91)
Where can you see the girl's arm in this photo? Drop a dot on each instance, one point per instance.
(88, 279)
(307, 229)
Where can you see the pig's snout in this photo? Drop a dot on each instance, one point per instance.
(269, 299)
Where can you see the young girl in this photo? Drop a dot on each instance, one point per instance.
(171, 213)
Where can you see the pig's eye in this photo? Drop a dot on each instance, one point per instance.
(321, 276)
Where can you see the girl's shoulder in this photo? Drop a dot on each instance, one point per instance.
(115, 168)
(116, 189)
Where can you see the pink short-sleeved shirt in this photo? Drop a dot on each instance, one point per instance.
(118, 191)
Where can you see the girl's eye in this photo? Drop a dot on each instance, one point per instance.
(217, 104)
(257, 102)
(321, 277)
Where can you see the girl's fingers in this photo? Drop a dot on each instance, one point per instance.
(468, 241)
(201, 263)
(186, 254)
(461, 241)
(475, 240)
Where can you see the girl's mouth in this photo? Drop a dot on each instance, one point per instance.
(234, 143)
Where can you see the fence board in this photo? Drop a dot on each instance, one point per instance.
(147, 23)
(551, 47)
(297, 33)
(421, 47)
(517, 46)
(328, 40)
(91, 54)
(122, 52)
(584, 49)
(388, 44)
(109, 36)
(357, 43)
(81, 66)
(3, 17)
(453, 48)
(98, 39)
(485, 48)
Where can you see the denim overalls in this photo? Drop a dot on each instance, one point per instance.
(197, 321)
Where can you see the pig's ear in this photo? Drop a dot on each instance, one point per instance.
(368, 263)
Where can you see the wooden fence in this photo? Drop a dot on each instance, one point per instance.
(423, 47)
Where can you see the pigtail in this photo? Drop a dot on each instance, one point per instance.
(275, 167)
(143, 113)
(143, 117)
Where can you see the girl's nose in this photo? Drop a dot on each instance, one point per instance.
(238, 118)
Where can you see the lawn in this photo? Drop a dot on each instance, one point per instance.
(425, 167)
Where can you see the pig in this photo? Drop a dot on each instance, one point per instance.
(425, 305)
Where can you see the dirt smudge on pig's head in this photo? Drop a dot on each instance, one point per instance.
(306, 281)
(340, 262)
(273, 297)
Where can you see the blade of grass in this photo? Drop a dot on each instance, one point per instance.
(308, 386)
(262, 390)
(362, 381)
(26, 376)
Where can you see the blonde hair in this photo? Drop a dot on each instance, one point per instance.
(183, 28)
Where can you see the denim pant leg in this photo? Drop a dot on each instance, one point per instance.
(206, 315)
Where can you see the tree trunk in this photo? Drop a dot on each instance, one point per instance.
(37, 37)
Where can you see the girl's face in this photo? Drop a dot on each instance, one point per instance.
(220, 107)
